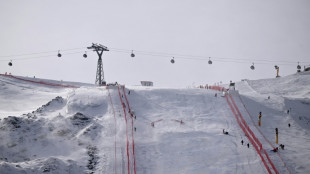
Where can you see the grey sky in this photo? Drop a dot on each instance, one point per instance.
(272, 30)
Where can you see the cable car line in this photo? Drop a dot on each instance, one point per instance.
(41, 57)
(44, 52)
(153, 54)
(195, 56)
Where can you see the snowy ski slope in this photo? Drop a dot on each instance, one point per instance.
(47, 128)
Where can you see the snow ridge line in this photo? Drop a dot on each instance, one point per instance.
(114, 130)
(254, 141)
(123, 105)
(263, 134)
(132, 135)
(41, 82)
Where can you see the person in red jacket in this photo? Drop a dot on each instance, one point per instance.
(275, 149)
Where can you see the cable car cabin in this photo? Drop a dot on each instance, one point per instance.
(146, 83)
(132, 54)
(232, 86)
(252, 67)
(298, 67)
(210, 61)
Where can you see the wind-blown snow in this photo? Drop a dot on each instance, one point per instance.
(48, 129)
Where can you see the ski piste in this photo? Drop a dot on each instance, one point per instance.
(82, 128)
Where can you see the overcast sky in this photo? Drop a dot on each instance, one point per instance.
(234, 33)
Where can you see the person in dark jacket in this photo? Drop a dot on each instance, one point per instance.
(225, 132)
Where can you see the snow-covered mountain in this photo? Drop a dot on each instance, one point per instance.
(65, 127)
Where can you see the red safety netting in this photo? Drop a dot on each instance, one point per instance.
(218, 88)
(266, 139)
(133, 141)
(252, 138)
(127, 142)
(41, 82)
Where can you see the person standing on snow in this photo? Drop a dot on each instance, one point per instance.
(259, 118)
(224, 132)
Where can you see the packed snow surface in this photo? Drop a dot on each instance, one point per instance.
(52, 129)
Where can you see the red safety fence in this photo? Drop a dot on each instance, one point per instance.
(266, 139)
(127, 145)
(133, 141)
(252, 138)
(218, 88)
(41, 82)
(153, 123)
(179, 121)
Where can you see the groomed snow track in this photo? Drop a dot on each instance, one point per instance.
(129, 129)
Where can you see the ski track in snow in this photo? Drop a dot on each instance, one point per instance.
(45, 129)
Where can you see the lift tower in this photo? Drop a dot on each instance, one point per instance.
(99, 75)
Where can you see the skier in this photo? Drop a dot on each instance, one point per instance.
(242, 142)
(275, 149)
(248, 145)
(215, 95)
(289, 125)
(282, 146)
(224, 132)
(128, 92)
